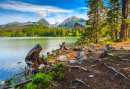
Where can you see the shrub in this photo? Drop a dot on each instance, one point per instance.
(40, 80)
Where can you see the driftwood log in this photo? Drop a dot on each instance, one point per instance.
(63, 46)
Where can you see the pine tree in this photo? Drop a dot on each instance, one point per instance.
(113, 16)
(95, 15)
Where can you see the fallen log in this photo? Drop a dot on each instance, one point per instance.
(79, 68)
(111, 68)
(80, 81)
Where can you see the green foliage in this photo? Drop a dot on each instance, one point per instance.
(41, 70)
(35, 31)
(59, 68)
(59, 75)
(40, 80)
(8, 82)
(44, 56)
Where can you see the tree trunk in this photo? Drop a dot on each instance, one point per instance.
(124, 26)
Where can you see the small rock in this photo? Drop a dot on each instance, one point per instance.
(41, 66)
(117, 64)
(61, 58)
(91, 76)
(71, 61)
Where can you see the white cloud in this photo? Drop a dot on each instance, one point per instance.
(85, 8)
(84, 16)
(25, 7)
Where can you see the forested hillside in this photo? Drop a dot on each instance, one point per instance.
(39, 31)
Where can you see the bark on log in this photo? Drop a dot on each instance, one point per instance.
(33, 54)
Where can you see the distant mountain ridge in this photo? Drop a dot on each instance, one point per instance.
(68, 23)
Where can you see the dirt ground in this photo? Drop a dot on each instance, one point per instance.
(109, 73)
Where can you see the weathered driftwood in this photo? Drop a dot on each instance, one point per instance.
(79, 68)
(111, 68)
(63, 46)
(22, 83)
(80, 81)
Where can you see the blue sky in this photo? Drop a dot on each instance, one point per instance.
(33, 10)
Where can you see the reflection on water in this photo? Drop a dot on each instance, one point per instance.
(15, 49)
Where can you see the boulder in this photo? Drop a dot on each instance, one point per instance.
(61, 58)
(80, 55)
(41, 66)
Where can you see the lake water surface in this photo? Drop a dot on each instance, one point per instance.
(15, 49)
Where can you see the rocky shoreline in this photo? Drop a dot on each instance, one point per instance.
(93, 62)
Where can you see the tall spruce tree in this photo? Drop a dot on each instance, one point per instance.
(113, 17)
(95, 16)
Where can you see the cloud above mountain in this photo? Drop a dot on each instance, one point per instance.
(41, 10)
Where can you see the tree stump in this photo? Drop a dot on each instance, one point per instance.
(34, 57)
(63, 46)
